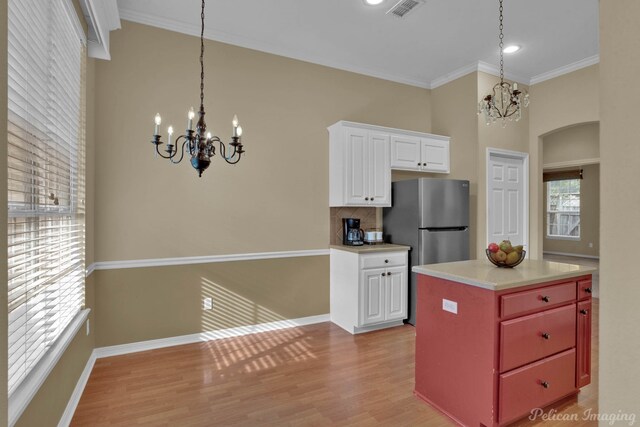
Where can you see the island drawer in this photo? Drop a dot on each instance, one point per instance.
(584, 289)
(527, 339)
(536, 385)
(383, 260)
(537, 299)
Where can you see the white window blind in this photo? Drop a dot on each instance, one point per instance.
(46, 228)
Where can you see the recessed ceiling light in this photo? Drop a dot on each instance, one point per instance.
(511, 48)
(373, 2)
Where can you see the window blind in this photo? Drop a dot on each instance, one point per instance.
(46, 225)
(561, 175)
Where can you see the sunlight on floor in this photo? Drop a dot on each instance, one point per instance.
(248, 352)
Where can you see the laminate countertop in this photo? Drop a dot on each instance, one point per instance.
(365, 249)
(483, 274)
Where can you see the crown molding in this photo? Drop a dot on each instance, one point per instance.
(583, 63)
(249, 43)
(479, 66)
(301, 55)
(102, 17)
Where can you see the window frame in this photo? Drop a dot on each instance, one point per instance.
(548, 212)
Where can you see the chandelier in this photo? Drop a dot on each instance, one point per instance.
(199, 144)
(507, 101)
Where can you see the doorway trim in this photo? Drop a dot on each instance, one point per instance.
(525, 179)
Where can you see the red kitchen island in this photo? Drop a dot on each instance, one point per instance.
(494, 343)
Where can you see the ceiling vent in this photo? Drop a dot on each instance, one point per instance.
(403, 7)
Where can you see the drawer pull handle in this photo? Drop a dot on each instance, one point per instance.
(386, 261)
(384, 274)
(585, 312)
(544, 384)
(545, 298)
(366, 198)
(587, 290)
(546, 336)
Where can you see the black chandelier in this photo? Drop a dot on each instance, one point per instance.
(200, 144)
(507, 101)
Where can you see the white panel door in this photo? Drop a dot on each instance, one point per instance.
(435, 155)
(507, 202)
(372, 296)
(379, 170)
(405, 152)
(396, 294)
(357, 170)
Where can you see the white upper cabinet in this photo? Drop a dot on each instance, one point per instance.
(359, 167)
(405, 152)
(426, 153)
(435, 155)
(361, 157)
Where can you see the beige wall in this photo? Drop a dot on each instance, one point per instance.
(619, 231)
(513, 137)
(576, 144)
(589, 217)
(147, 208)
(275, 199)
(454, 115)
(140, 304)
(558, 103)
(3, 215)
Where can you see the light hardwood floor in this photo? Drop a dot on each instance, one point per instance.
(316, 375)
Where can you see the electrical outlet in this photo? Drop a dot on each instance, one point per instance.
(88, 327)
(590, 245)
(450, 306)
(207, 303)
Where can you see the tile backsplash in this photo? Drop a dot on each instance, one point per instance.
(367, 220)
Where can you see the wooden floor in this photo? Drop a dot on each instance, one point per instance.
(315, 375)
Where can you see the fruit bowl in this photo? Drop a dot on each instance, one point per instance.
(503, 264)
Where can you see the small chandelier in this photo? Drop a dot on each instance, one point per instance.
(199, 144)
(507, 101)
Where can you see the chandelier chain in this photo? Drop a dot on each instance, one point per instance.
(202, 57)
(501, 46)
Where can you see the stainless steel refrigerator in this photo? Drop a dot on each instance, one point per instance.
(431, 216)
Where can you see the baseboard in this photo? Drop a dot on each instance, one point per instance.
(570, 254)
(135, 347)
(67, 416)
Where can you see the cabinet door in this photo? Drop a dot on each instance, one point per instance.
(356, 167)
(583, 344)
(372, 296)
(396, 293)
(405, 152)
(435, 155)
(379, 170)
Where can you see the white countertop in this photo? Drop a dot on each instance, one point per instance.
(383, 247)
(483, 274)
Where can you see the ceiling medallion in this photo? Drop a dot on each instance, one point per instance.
(507, 100)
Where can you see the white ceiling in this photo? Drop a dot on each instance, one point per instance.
(437, 41)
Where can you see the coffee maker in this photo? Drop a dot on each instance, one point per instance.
(352, 234)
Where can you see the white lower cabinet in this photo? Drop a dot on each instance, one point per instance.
(368, 290)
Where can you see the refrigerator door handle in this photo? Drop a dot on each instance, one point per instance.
(436, 229)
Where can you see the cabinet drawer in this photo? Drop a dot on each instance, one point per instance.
(537, 299)
(529, 338)
(524, 389)
(381, 260)
(584, 289)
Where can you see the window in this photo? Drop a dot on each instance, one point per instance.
(45, 179)
(563, 209)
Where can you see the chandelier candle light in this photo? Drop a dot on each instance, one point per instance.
(200, 144)
(507, 101)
